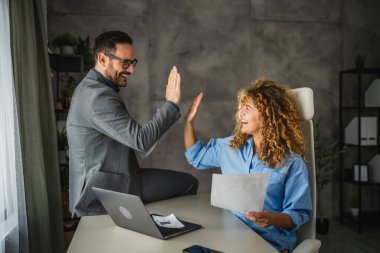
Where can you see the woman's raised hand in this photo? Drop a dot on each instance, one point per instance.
(193, 109)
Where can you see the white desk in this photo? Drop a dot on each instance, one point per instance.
(222, 231)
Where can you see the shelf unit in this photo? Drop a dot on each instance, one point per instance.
(359, 110)
(65, 63)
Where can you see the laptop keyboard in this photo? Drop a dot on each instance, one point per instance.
(168, 231)
(174, 231)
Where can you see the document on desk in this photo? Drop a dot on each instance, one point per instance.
(169, 221)
(243, 192)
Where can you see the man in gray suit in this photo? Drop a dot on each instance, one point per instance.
(103, 137)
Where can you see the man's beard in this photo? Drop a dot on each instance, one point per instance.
(115, 77)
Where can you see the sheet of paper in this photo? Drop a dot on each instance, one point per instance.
(169, 221)
(243, 192)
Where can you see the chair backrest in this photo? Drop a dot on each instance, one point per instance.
(305, 104)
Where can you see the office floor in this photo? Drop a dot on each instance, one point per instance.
(342, 238)
(339, 239)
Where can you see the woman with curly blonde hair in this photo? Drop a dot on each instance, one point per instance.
(267, 139)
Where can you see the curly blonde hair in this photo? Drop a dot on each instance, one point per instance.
(280, 128)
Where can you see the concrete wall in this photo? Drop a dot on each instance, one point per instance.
(220, 46)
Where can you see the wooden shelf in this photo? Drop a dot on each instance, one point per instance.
(351, 107)
(361, 71)
(368, 217)
(66, 62)
(61, 110)
(361, 146)
(362, 182)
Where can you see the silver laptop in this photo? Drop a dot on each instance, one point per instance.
(129, 212)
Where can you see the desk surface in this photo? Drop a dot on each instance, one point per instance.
(222, 231)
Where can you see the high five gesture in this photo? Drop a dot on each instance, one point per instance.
(189, 134)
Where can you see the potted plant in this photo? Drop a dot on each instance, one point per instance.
(62, 145)
(68, 90)
(67, 94)
(66, 42)
(355, 203)
(85, 50)
(58, 105)
(326, 155)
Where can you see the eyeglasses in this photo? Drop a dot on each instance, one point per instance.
(126, 63)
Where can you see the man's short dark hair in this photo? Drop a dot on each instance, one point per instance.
(106, 42)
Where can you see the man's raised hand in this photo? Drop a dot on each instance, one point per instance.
(173, 88)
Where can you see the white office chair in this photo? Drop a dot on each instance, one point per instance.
(305, 103)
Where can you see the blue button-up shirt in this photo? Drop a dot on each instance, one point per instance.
(287, 191)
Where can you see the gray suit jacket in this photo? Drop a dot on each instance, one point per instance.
(102, 138)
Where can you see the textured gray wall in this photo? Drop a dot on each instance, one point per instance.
(219, 46)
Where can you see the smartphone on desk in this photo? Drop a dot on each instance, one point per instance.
(199, 249)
